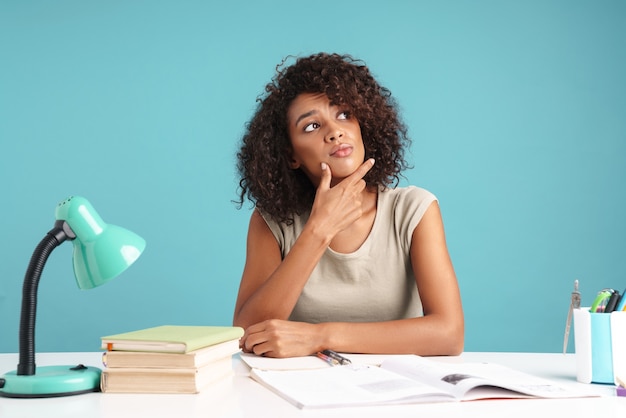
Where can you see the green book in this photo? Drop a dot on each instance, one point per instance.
(171, 338)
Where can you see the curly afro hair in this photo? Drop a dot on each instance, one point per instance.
(267, 179)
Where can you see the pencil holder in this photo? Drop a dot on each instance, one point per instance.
(600, 341)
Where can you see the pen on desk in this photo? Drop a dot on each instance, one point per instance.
(328, 359)
(333, 358)
(341, 359)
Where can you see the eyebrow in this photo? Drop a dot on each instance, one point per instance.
(305, 115)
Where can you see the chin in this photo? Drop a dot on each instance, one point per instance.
(344, 168)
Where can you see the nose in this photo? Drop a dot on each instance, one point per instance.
(333, 133)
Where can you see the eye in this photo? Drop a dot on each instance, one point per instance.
(311, 127)
(344, 115)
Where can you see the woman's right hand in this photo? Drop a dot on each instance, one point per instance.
(337, 207)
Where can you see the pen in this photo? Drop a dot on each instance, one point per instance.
(333, 358)
(612, 302)
(599, 303)
(328, 359)
(621, 306)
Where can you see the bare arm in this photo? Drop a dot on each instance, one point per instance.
(439, 332)
(270, 287)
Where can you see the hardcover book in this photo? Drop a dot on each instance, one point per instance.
(153, 380)
(196, 358)
(171, 338)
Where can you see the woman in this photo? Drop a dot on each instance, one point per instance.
(338, 257)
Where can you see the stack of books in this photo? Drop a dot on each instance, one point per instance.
(168, 359)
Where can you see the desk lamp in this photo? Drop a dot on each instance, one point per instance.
(101, 252)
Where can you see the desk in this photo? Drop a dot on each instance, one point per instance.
(243, 397)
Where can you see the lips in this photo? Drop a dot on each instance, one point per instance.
(342, 150)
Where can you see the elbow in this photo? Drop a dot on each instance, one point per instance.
(238, 321)
(451, 345)
(450, 339)
(439, 338)
(455, 340)
(456, 346)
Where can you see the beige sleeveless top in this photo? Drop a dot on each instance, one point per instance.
(374, 283)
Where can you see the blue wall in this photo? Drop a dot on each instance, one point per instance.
(517, 110)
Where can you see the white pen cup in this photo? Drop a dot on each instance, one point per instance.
(600, 341)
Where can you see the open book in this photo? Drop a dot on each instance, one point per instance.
(405, 379)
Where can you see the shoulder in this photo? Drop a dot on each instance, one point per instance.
(403, 208)
(404, 198)
(272, 224)
(285, 233)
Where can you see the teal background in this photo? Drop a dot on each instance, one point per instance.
(517, 110)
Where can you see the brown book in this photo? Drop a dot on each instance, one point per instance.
(192, 359)
(154, 380)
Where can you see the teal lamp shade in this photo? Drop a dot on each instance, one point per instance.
(101, 251)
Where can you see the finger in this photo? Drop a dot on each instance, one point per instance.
(251, 334)
(252, 341)
(261, 350)
(326, 177)
(245, 345)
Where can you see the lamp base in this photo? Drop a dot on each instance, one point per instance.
(51, 381)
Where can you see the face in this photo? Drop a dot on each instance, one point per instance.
(321, 132)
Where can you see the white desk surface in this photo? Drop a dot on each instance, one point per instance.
(243, 397)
